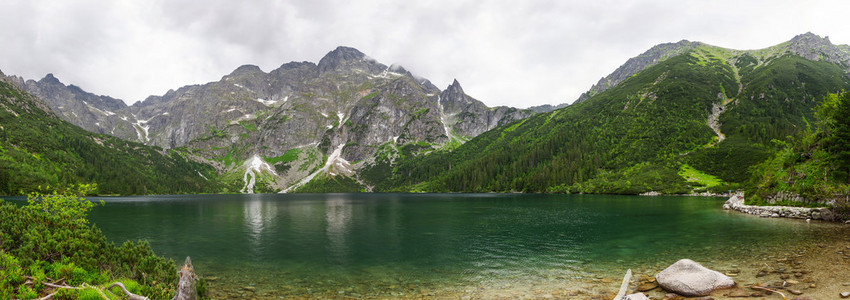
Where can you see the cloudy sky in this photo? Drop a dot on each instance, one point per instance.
(518, 53)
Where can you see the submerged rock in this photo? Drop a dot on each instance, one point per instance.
(672, 296)
(646, 287)
(795, 292)
(738, 293)
(689, 278)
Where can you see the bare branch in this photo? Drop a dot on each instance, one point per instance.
(126, 292)
(769, 290)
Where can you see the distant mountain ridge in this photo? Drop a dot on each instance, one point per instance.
(39, 152)
(808, 45)
(677, 113)
(547, 107)
(327, 114)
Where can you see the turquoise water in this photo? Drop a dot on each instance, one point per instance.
(407, 244)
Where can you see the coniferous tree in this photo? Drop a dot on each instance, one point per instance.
(839, 136)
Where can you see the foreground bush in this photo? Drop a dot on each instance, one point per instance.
(49, 241)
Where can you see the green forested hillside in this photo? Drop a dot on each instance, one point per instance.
(39, 149)
(703, 120)
(649, 133)
(777, 101)
(816, 163)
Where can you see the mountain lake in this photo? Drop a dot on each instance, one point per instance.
(269, 246)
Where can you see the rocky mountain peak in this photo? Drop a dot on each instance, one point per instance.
(455, 87)
(339, 57)
(466, 116)
(49, 79)
(547, 107)
(345, 107)
(453, 97)
(12, 79)
(395, 68)
(246, 69)
(809, 37)
(295, 65)
(814, 47)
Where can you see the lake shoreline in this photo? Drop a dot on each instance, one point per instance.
(436, 246)
(736, 203)
(810, 270)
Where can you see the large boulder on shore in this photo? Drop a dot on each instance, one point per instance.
(688, 278)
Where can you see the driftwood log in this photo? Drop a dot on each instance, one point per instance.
(624, 287)
(187, 282)
(58, 285)
(130, 296)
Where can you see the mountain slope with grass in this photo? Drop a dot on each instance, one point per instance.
(38, 149)
(695, 121)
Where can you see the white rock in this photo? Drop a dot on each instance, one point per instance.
(688, 278)
(636, 296)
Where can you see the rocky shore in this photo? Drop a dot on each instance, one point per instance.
(805, 273)
(736, 202)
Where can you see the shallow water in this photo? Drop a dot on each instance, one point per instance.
(398, 245)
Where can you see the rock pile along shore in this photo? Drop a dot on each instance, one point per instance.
(736, 202)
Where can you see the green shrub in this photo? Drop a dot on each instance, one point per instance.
(89, 294)
(201, 288)
(50, 237)
(11, 274)
(842, 209)
(26, 293)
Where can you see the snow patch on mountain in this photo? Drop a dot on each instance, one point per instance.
(267, 102)
(254, 167)
(336, 165)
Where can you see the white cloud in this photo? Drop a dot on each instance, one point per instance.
(516, 53)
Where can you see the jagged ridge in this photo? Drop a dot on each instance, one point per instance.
(808, 45)
(347, 103)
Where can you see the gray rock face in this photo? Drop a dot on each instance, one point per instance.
(470, 117)
(688, 278)
(89, 111)
(814, 47)
(348, 58)
(343, 108)
(547, 107)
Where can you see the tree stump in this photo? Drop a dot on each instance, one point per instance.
(187, 282)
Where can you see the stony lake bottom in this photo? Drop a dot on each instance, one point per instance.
(462, 245)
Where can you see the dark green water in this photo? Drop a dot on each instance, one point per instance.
(364, 244)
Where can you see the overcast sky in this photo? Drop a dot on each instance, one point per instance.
(518, 53)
